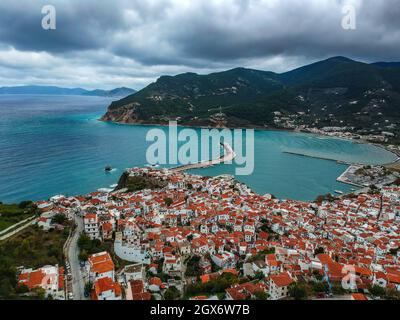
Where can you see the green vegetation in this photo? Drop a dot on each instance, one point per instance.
(88, 287)
(384, 293)
(327, 197)
(59, 219)
(168, 201)
(138, 183)
(249, 97)
(260, 295)
(261, 255)
(319, 250)
(88, 247)
(172, 293)
(216, 286)
(11, 214)
(298, 291)
(192, 266)
(31, 248)
(377, 291)
(303, 290)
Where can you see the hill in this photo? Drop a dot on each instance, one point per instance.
(336, 91)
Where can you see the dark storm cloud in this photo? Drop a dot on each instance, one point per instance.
(81, 25)
(126, 42)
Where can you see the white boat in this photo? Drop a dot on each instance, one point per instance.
(339, 192)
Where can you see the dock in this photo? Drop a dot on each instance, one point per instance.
(343, 177)
(228, 156)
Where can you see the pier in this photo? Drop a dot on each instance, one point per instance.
(229, 155)
(318, 157)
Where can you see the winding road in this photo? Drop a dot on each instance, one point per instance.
(78, 283)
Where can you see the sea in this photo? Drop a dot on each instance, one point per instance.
(53, 145)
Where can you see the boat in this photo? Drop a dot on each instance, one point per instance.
(152, 165)
(339, 192)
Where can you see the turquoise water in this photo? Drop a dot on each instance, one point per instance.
(55, 145)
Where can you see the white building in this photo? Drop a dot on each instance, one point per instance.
(92, 228)
(279, 286)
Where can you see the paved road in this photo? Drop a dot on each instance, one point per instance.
(78, 284)
(15, 231)
(15, 225)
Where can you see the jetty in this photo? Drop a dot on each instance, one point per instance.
(318, 157)
(228, 156)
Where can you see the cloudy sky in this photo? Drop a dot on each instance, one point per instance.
(106, 44)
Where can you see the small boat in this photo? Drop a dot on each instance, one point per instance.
(152, 165)
(108, 169)
(339, 192)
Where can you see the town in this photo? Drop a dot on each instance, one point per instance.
(213, 238)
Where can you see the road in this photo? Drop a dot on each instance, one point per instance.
(78, 283)
(15, 231)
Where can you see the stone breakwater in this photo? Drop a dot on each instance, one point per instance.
(226, 158)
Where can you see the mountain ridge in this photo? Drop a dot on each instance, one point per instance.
(334, 92)
(54, 90)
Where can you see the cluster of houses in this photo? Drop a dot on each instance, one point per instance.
(48, 278)
(229, 227)
(101, 271)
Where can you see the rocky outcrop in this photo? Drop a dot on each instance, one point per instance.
(137, 183)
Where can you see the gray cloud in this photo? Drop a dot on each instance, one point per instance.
(100, 43)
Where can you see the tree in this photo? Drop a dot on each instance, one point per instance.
(172, 293)
(338, 289)
(260, 295)
(259, 275)
(83, 255)
(193, 266)
(88, 287)
(22, 288)
(327, 197)
(298, 291)
(40, 293)
(59, 218)
(392, 294)
(377, 291)
(168, 201)
(319, 250)
(319, 286)
(84, 242)
(25, 204)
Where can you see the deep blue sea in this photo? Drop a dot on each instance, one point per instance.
(55, 145)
